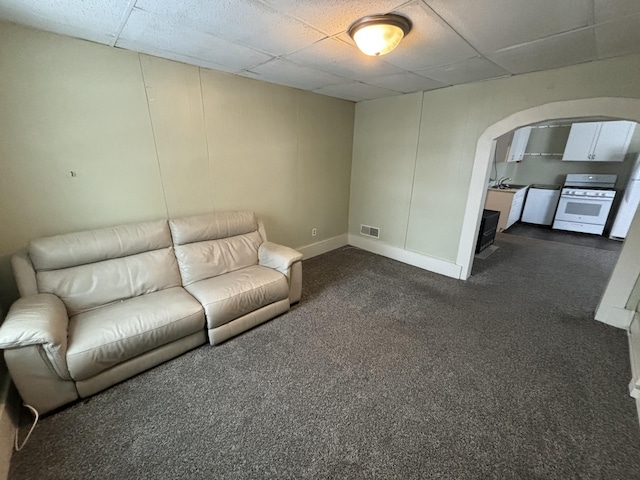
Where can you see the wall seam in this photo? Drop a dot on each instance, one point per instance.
(153, 133)
(301, 234)
(206, 141)
(413, 177)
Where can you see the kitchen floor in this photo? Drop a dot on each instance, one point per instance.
(561, 236)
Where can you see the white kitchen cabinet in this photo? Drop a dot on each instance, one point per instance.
(581, 141)
(599, 141)
(540, 206)
(516, 207)
(613, 141)
(518, 144)
(509, 202)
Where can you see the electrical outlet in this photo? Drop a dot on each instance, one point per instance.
(314, 232)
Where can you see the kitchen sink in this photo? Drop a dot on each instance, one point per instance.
(510, 186)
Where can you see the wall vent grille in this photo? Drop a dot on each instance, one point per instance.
(370, 231)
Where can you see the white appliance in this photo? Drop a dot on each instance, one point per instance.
(541, 203)
(628, 205)
(585, 203)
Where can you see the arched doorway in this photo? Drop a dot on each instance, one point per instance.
(605, 107)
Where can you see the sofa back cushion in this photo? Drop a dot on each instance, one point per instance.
(213, 244)
(92, 246)
(94, 268)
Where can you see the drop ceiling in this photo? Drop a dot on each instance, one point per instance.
(303, 43)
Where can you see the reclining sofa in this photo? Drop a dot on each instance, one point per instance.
(100, 306)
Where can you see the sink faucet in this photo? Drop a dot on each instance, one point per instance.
(501, 182)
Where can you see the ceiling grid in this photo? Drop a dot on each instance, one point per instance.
(305, 44)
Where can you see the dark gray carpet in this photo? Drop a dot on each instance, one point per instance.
(382, 371)
(573, 238)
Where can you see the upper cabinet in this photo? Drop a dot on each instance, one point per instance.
(599, 141)
(518, 144)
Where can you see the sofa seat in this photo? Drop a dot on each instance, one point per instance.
(104, 337)
(229, 296)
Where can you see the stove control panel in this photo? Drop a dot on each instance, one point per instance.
(570, 192)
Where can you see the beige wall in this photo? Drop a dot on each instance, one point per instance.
(383, 165)
(451, 122)
(149, 138)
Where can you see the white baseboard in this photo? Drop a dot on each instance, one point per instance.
(323, 246)
(419, 260)
(614, 316)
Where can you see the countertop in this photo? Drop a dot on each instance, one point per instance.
(511, 189)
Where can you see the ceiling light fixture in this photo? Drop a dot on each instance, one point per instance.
(379, 34)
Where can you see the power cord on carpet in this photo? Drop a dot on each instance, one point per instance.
(37, 417)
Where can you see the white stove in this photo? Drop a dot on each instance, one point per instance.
(585, 203)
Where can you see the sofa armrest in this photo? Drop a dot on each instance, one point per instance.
(278, 257)
(42, 320)
(287, 261)
(24, 273)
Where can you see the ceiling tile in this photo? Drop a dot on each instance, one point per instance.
(160, 36)
(246, 22)
(431, 42)
(406, 82)
(283, 72)
(471, 70)
(492, 25)
(338, 58)
(452, 41)
(177, 57)
(95, 20)
(618, 38)
(607, 10)
(333, 16)
(356, 91)
(566, 49)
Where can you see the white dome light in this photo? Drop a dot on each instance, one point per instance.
(379, 34)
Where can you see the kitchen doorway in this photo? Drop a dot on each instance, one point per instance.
(531, 165)
(621, 289)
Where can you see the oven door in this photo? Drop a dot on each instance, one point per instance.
(582, 209)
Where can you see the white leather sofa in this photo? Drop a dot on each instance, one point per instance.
(100, 306)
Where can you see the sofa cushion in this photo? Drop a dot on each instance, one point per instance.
(86, 287)
(212, 226)
(202, 260)
(80, 248)
(214, 244)
(229, 296)
(107, 336)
